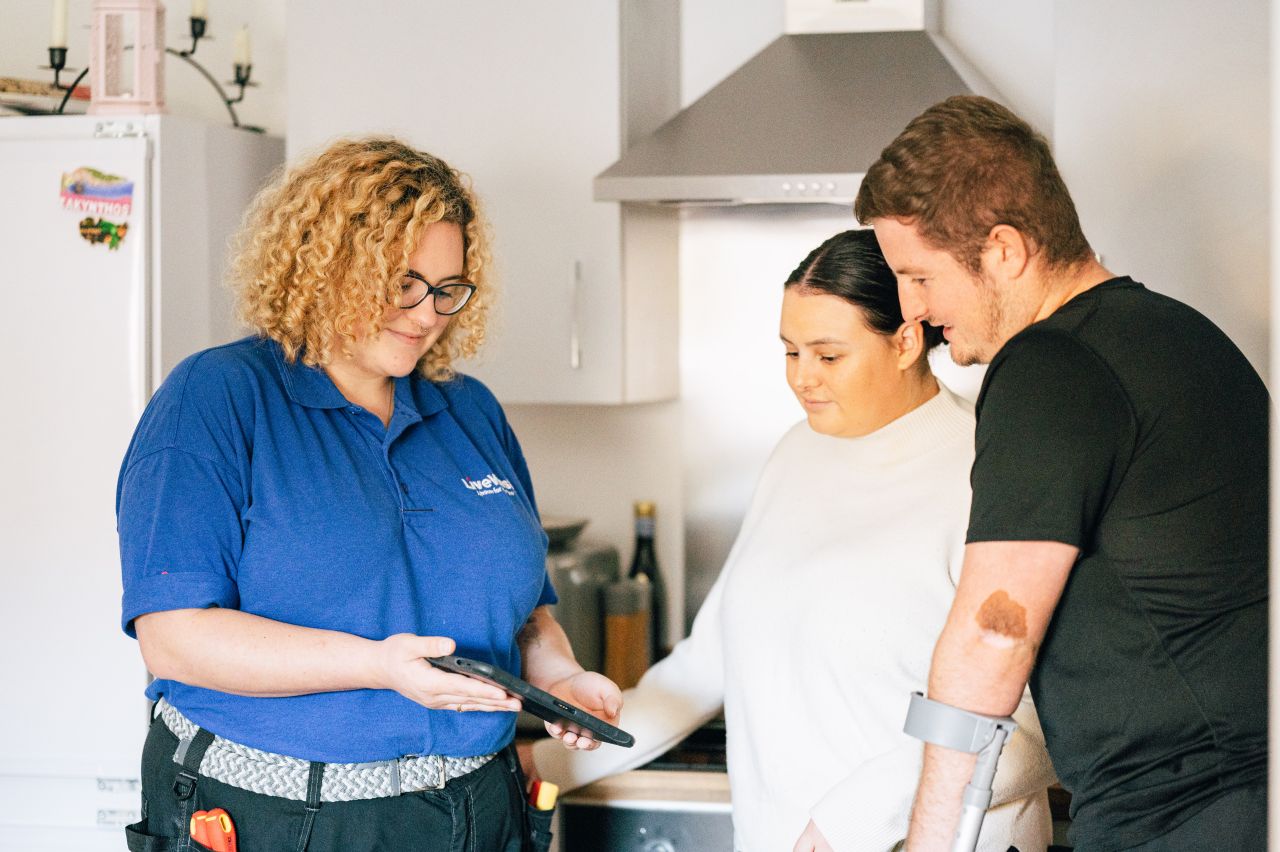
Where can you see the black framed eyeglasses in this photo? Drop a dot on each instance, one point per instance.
(448, 297)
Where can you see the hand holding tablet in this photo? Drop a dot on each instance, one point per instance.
(540, 703)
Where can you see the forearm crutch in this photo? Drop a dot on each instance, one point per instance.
(961, 730)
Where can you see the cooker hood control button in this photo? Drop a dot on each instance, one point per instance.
(659, 845)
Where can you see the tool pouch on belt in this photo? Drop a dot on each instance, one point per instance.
(139, 836)
(139, 841)
(537, 824)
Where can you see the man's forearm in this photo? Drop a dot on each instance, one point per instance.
(977, 669)
(937, 806)
(1005, 599)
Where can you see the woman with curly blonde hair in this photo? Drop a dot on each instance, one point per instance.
(308, 513)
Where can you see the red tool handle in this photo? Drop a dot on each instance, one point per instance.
(199, 833)
(214, 829)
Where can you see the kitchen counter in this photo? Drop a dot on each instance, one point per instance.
(657, 789)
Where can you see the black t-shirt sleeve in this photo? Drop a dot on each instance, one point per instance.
(1054, 429)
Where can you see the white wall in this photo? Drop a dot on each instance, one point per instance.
(1159, 115)
(698, 457)
(24, 42)
(1162, 131)
(1011, 43)
(717, 36)
(594, 461)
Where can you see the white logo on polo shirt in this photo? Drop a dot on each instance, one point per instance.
(491, 484)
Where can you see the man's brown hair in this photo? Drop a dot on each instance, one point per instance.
(964, 166)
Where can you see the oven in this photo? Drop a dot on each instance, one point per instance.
(677, 803)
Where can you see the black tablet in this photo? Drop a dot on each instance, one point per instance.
(542, 704)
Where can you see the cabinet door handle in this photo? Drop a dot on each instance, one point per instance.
(575, 344)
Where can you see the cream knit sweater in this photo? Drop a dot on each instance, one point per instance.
(820, 626)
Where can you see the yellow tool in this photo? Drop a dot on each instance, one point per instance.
(542, 795)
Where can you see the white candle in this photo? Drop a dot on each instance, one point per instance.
(58, 33)
(241, 55)
(199, 8)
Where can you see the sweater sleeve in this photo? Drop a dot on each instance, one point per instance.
(870, 808)
(678, 695)
(673, 699)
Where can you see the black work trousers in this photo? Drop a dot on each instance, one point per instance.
(1235, 821)
(483, 811)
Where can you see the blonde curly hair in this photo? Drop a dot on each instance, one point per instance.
(323, 247)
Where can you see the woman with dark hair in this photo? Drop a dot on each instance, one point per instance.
(822, 621)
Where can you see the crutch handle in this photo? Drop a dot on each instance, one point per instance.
(963, 730)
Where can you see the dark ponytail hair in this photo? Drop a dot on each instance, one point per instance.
(850, 265)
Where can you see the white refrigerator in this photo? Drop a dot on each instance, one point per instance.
(113, 244)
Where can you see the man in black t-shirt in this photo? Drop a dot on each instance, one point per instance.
(1117, 548)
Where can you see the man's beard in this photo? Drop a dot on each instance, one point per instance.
(991, 315)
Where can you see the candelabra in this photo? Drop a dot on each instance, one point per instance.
(241, 72)
(58, 63)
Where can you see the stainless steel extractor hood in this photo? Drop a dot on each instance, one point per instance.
(799, 122)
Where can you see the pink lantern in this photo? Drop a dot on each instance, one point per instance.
(126, 57)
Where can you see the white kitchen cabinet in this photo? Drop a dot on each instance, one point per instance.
(524, 97)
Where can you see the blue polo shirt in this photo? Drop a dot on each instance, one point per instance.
(254, 484)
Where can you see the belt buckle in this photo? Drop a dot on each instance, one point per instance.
(440, 761)
(397, 772)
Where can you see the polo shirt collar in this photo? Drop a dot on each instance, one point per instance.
(421, 395)
(309, 386)
(312, 387)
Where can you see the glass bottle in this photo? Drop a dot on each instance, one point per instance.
(627, 630)
(644, 567)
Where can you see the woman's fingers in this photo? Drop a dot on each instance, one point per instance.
(468, 688)
(572, 739)
(452, 696)
(451, 701)
(408, 672)
(462, 706)
(596, 694)
(433, 646)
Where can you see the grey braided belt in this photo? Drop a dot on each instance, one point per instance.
(286, 777)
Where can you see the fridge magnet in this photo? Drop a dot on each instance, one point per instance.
(101, 231)
(96, 193)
